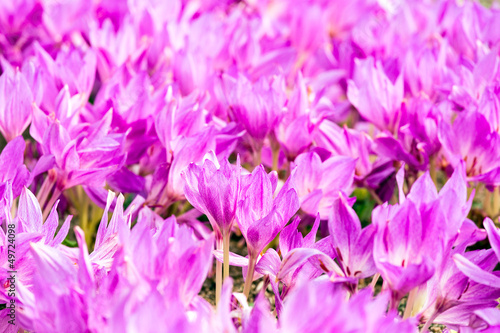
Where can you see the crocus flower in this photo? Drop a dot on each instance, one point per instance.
(214, 190)
(409, 239)
(474, 81)
(277, 270)
(294, 132)
(374, 95)
(353, 245)
(417, 140)
(257, 106)
(336, 313)
(261, 215)
(347, 142)
(318, 181)
(88, 158)
(350, 246)
(74, 68)
(426, 71)
(172, 182)
(12, 167)
(451, 296)
(15, 106)
(29, 229)
(473, 271)
(332, 95)
(470, 138)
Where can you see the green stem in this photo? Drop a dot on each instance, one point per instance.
(225, 239)
(258, 156)
(375, 196)
(218, 275)
(432, 169)
(52, 201)
(409, 303)
(429, 322)
(487, 202)
(276, 155)
(496, 201)
(249, 279)
(44, 191)
(374, 280)
(84, 218)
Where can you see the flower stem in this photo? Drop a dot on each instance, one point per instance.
(249, 279)
(496, 201)
(226, 237)
(276, 156)
(409, 303)
(429, 322)
(375, 196)
(433, 169)
(52, 201)
(487, 201)
(218, 274)
(84, 218)
(258, 156)
(44, 191)
(374, 280)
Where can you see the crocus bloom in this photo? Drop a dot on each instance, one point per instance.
(295, 130)
(374, 95)
(348, 244)
(29, 230)
(15, 104)
(409, 239)
(257, 106)
(214, 190)
(261, 215)
(473, 271)
(87, 159)
(451, 296)
(471, 138)
(417, 139)
(12, 168)
(318, 181)
(336, 314)
(347, 142)
(353, 245)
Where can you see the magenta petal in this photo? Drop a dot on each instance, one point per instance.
(29, 212)
(52, 265)
(493, 236)
(51, 224)
(15, 108)
(423, 191)
(234, 259)
(225, 322)
(344, 227)
(475, 273)
(404, 279)
(63, 232)
(85, 271)
(262, 232)
(310, 238)
(290, 238)
(297, 257)
(44, 163)
(11, 158)
(269, 264)
(489, 315)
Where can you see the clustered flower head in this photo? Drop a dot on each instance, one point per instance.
(249, 166)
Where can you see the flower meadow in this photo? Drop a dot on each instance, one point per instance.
(249, 166)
